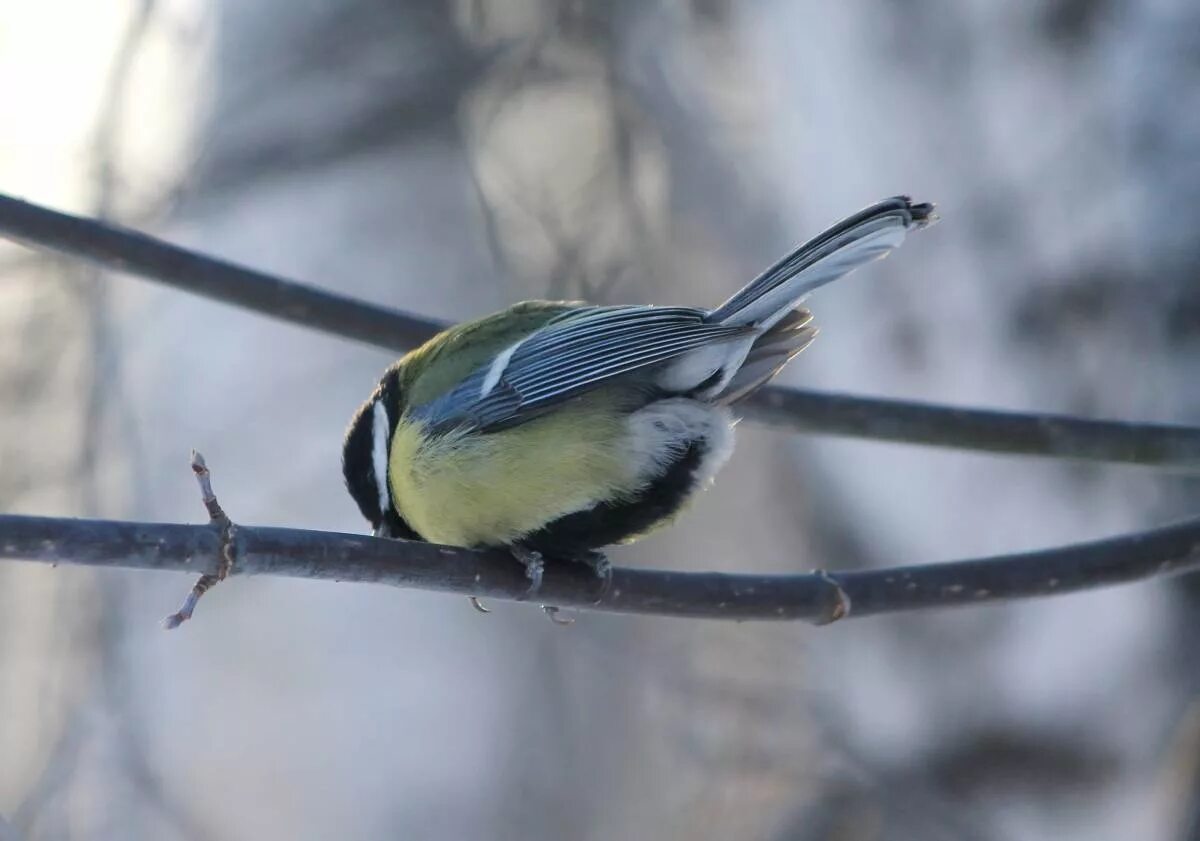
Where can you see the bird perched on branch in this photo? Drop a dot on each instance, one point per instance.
(557, 428)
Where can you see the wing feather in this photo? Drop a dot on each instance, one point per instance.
(575, 353)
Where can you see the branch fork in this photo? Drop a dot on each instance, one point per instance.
(227, 552)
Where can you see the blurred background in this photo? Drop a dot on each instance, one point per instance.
(452, 157)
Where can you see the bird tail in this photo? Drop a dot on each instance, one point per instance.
(770, 352)
(867, 235)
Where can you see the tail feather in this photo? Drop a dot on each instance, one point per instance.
(867, 235)
(770, 352)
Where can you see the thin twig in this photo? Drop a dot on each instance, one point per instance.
(1054, 436)
(821, 597)
(226, 552)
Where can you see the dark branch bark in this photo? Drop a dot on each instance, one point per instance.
(819, 597)
(1056, 436)
(130, 251)
(1169, 447)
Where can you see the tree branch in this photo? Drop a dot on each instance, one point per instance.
(130, 251)
(1056, 436)
(1165, 446)
(820, 597)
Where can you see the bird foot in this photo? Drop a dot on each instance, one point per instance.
(477, 604)
(535, 568)
(552, 613)
(602, 566)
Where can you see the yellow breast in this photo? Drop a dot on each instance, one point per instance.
(472, 489)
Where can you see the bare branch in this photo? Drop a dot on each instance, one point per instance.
(1055, 436)
(1165, 446)
(129, 251)
(818, 598)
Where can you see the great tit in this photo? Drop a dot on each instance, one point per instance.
(556, 428)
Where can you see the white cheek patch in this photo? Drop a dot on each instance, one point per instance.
(497, 370)
(379, 453)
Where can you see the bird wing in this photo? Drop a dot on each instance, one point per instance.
(573, 354)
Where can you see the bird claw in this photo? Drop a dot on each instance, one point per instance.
(552, 614)
(602, 566)
(535, 569)
(477, 604)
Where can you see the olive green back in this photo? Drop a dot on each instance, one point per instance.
(449, 357)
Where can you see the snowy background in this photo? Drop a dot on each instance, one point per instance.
(449, 158)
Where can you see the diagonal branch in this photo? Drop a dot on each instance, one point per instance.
(1055, 436)
(820, 597)
(129, 251)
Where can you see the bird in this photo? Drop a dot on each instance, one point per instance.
(555, 429)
